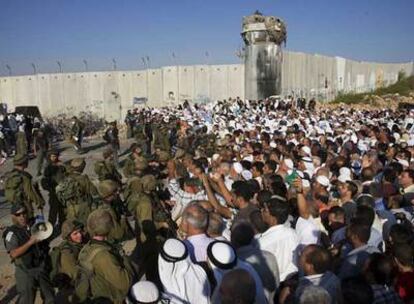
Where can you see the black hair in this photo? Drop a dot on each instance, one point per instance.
(356, 290)
(381, 269)
(319, 258)
(360, 230)
(365, 214)
(278, 209)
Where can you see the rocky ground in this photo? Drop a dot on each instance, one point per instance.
(372, 102)
(94, 148)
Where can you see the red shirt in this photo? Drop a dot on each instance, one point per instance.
(405, 286)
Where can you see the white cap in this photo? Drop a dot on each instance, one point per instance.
(306, 150)
(345, 171)
(323, 180)
(289, 163)
(145, 292)
(238, 167)
(344, 178)
(404, 163)
(246, 174)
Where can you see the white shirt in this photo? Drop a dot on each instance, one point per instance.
(307, 231)
(197, 247)
(375, 238)
(282, 242)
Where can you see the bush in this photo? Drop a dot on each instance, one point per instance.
(402, 87)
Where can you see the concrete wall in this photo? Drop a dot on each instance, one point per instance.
(111, 93)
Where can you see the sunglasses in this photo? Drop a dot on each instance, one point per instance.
(20, 213)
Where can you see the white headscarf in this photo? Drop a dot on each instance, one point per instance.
(222, 258)
(183, 281)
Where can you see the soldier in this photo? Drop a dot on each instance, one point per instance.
(139, 204)
(130, 122)
(161, 138)
(41, 145)
(19, 188)
(53, 174)
(104, 272)
(105, 168)
(141, 137)
(151, 204)
(65, 261)
(22, 146)
(111, 137)
(111, 202)
(29, 256)
(130, 165)
(76, 134)
(76, 192)
(73, 240)
(88, 189)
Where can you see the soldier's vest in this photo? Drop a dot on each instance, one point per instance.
(34, 256)
(90, 284)
(102, 171)
(56, 254)
(75, 203)
(13, 188)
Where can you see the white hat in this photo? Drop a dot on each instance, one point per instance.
(403, 162)
(145, 292)
(289, 163)
(221, 255)
(246, 174)
(306, 150)
(345, 171)
(323, 180)
(238, 167)
(343, 178)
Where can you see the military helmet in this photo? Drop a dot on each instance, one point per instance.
(107, 188)
(141, 163)
(99, 222)
(163, 156)
(135, 184)
(69, 226)
(149, 183)
(53, 152)
(78, 164)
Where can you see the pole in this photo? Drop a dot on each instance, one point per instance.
(86, 65)
(34, 69)
(60, 66)
(9, 69)
(114, 62)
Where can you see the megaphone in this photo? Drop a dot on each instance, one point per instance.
(41, 229)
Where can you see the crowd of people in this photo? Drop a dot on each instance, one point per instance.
(228, 202)
(29, 133)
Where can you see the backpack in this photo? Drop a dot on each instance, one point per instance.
(55, 258)
(68, 190)
(13, 187)
(100, 170)
(86, 273)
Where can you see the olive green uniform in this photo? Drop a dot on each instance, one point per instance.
(81, 205)
(52, 176)
(110, 273)
(21, 143)
(120, 228)
(105, 169)
(139, 204)
(19, 189)
(69, 259)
